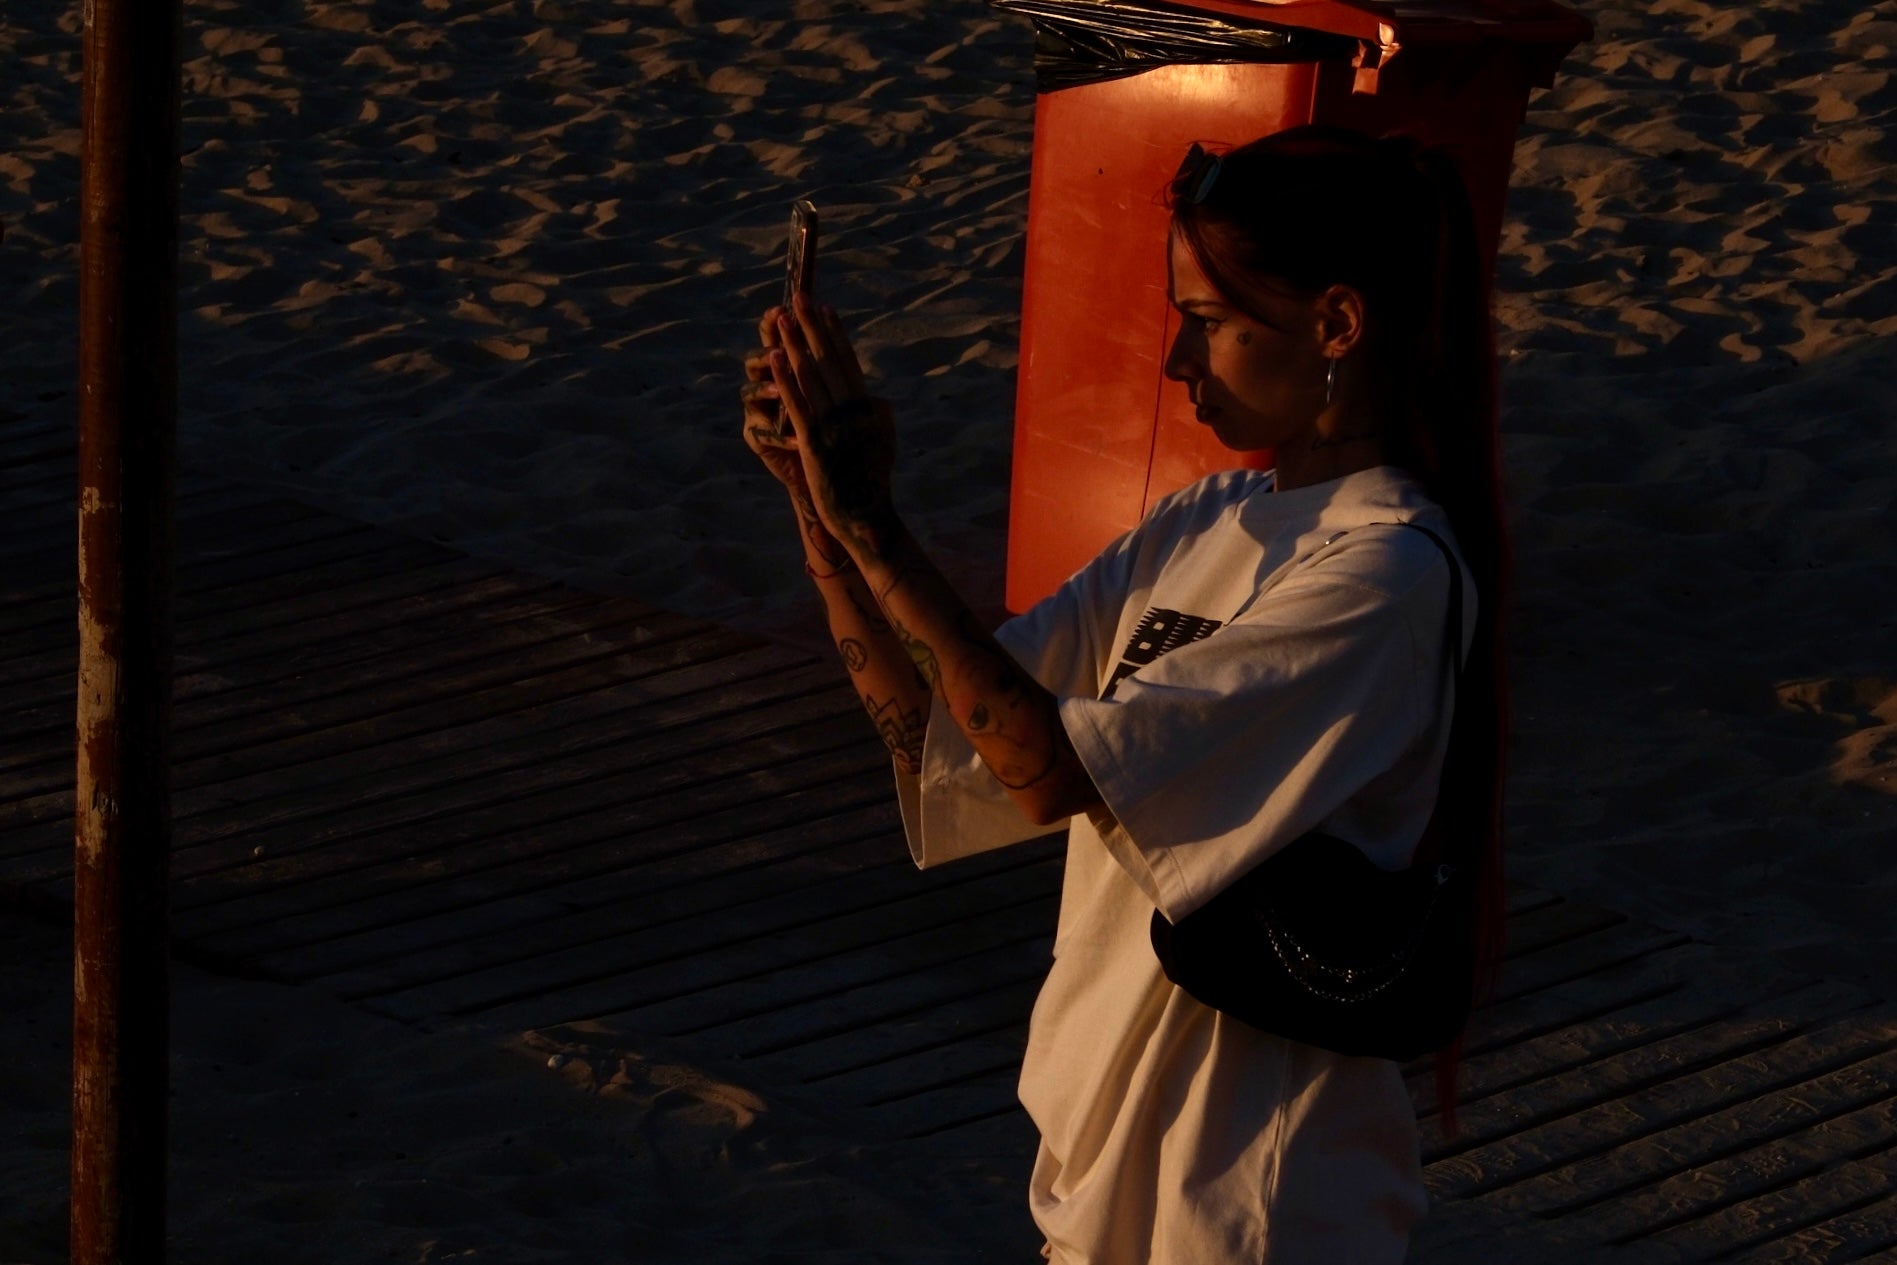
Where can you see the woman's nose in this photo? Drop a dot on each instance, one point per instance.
(1181, 365)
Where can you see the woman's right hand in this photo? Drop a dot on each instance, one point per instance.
(764, 412)
(764, 435)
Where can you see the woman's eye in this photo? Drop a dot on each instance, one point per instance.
(1208, 324)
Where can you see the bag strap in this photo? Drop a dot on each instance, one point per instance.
(1453, 642)
(1453, 652)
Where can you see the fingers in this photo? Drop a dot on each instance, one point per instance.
(850, 366)
(829, 348)
(759, 398)
(767, 327)
(763, 431)
(800, 377)
(795, 404)
(808, 359)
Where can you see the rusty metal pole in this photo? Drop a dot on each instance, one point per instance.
(128, 416)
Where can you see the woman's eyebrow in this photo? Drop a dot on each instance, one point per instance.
(1188, 305)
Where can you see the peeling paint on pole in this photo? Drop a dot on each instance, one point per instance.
(127, 441)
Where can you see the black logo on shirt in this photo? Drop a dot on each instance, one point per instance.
(1159, 631)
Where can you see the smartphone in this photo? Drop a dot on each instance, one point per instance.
(800, 260)
(800, 266)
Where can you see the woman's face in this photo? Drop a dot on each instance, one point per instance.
(1258, 383)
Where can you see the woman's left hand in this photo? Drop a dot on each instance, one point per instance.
(845, 437)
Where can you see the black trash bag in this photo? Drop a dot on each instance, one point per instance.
(1090, 41)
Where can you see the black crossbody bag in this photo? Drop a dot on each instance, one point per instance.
(1319, 945)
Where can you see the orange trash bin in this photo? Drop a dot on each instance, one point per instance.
(1100, 434)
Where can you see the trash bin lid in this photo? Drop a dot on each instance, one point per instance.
(1127, 36)
(1529, 24)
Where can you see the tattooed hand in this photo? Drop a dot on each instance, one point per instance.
(844, 437)
(763, 415)
(765, 435)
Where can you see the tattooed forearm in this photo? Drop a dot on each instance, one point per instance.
(822, 543)
(920, 653)
(1024, 721)
(895, 606)
(902, 729)
(871, 613)
(880, 670)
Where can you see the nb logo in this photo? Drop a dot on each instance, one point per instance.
(1159, 631)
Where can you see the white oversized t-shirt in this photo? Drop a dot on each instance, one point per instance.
(1243, 667)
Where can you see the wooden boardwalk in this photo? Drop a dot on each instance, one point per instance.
(451, 793)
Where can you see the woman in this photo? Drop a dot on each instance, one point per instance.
(1260, 658)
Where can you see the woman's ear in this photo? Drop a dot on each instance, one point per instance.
(1340, 321)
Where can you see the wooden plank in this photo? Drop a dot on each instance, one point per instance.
(520, 924)
(43, 568)
(422, 622)
(202, 521)
(567, 662)
(871, 899)
(556, 847)
(990, 1058)
(528, 640)
(1864, 1233)
(1521, 898)
(1714, 996)
(353, 629)
(559, 743)
(1847, 1167)
(216, 520)
(34, 569)
(226, 609)
(23, 459)
(22, 451)
(1004, 1140)
(870, 1007)
(1625, 982)
(714, 829)
(298, 545)
(461, 814)
(1573, 959)
(952, 1108)
(230, 699)
(1458, 1233)
(1000, 1004)
(699, 744)
(922, 957)
(334, 641)
(949, 1110)
(1567, 1142)
(387, 712)
(995, 1148)
(30, 457)
(1707, 1174)
(1556, 923)
(23, 850)
(40, 488)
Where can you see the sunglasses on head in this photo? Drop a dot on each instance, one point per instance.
(1193, 182)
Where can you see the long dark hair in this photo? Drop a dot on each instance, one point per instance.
(1312, 207)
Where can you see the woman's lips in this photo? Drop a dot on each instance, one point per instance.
(1206, 412)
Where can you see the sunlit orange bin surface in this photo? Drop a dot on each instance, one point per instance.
(1100, 434)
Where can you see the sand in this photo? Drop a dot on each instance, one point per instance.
(481, 273)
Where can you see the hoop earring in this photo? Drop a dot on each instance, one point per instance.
(1330, 383)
